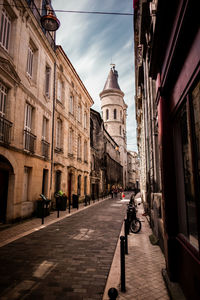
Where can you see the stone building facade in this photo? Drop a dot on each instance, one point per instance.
(106, 169)
(114, 112)
(167, 48)
(43, 105)
(133, 168)
(71, 131)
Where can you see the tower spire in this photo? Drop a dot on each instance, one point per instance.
(112, 80)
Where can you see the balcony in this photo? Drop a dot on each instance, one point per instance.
(45, 149)
(5, 130)
(29, 141)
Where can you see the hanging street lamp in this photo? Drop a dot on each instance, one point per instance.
(49, 22)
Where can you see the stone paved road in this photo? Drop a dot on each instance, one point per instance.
(69, 259)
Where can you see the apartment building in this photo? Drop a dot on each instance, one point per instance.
(44, 114)
(71, 131)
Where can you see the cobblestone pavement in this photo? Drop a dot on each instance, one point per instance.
(144, 264)
(69, 259)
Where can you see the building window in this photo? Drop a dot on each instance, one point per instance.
(29, 66)
(120, 130)
(188, 160)
(3, 96)
(47, 81)
(85, 120)
(79, 147)
(115, 114)
(44, 129)
(59, 134)
(29, 137)
(71, 104)
(79, 113)
(85, 152)
(45, 144)
(70, 141)
(59, 90)
(5, 30)
(107, 114)
(28, 117)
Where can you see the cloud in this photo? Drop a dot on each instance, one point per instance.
(93, 41)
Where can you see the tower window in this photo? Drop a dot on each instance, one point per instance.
(115, 114)
(107, 114)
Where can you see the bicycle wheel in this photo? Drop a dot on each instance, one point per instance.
(135, 226)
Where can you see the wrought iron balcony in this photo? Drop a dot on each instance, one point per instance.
(29, 141)
(45, 149)
(5, 130)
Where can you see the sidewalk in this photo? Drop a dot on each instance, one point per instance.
(144, 264)
(18, 230)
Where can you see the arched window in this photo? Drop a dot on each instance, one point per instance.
(107, 114)
(120, 130)
(115, 114)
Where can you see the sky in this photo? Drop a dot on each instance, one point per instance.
(93, 41)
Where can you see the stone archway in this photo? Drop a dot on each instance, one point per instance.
(6, 189)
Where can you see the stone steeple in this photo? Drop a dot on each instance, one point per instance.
(114, 111)
(112, 80)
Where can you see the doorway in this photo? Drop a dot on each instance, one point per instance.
(4, 177)
(45, 182)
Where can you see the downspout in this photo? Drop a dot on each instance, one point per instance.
(53, 121)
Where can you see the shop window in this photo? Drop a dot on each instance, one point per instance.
(189, 133)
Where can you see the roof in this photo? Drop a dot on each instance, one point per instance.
(112, 80)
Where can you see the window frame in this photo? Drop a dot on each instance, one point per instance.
(47, 80)
(71, 104)
(59, 134)
(6, 27)
(184, 210)
(30, 59)
(3, 99)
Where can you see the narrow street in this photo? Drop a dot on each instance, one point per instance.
(69, 259)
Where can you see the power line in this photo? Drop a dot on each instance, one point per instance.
(75, 11)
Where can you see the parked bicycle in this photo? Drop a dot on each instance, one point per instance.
(134, 222)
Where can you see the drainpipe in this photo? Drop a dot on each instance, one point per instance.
(53, 121)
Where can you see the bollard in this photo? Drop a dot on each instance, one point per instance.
(112, 293)
(69, 204)
(58, 212)
(42, 211)
(126, 236)
(122, 248)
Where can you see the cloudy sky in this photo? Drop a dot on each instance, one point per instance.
(94, 41)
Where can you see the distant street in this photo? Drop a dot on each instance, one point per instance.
(69, 259)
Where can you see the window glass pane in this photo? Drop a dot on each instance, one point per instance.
(3, 93)
(5, 30)
(191, 209)
(196, 106)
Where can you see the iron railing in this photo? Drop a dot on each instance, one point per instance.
(29, 141)
(5, 130)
